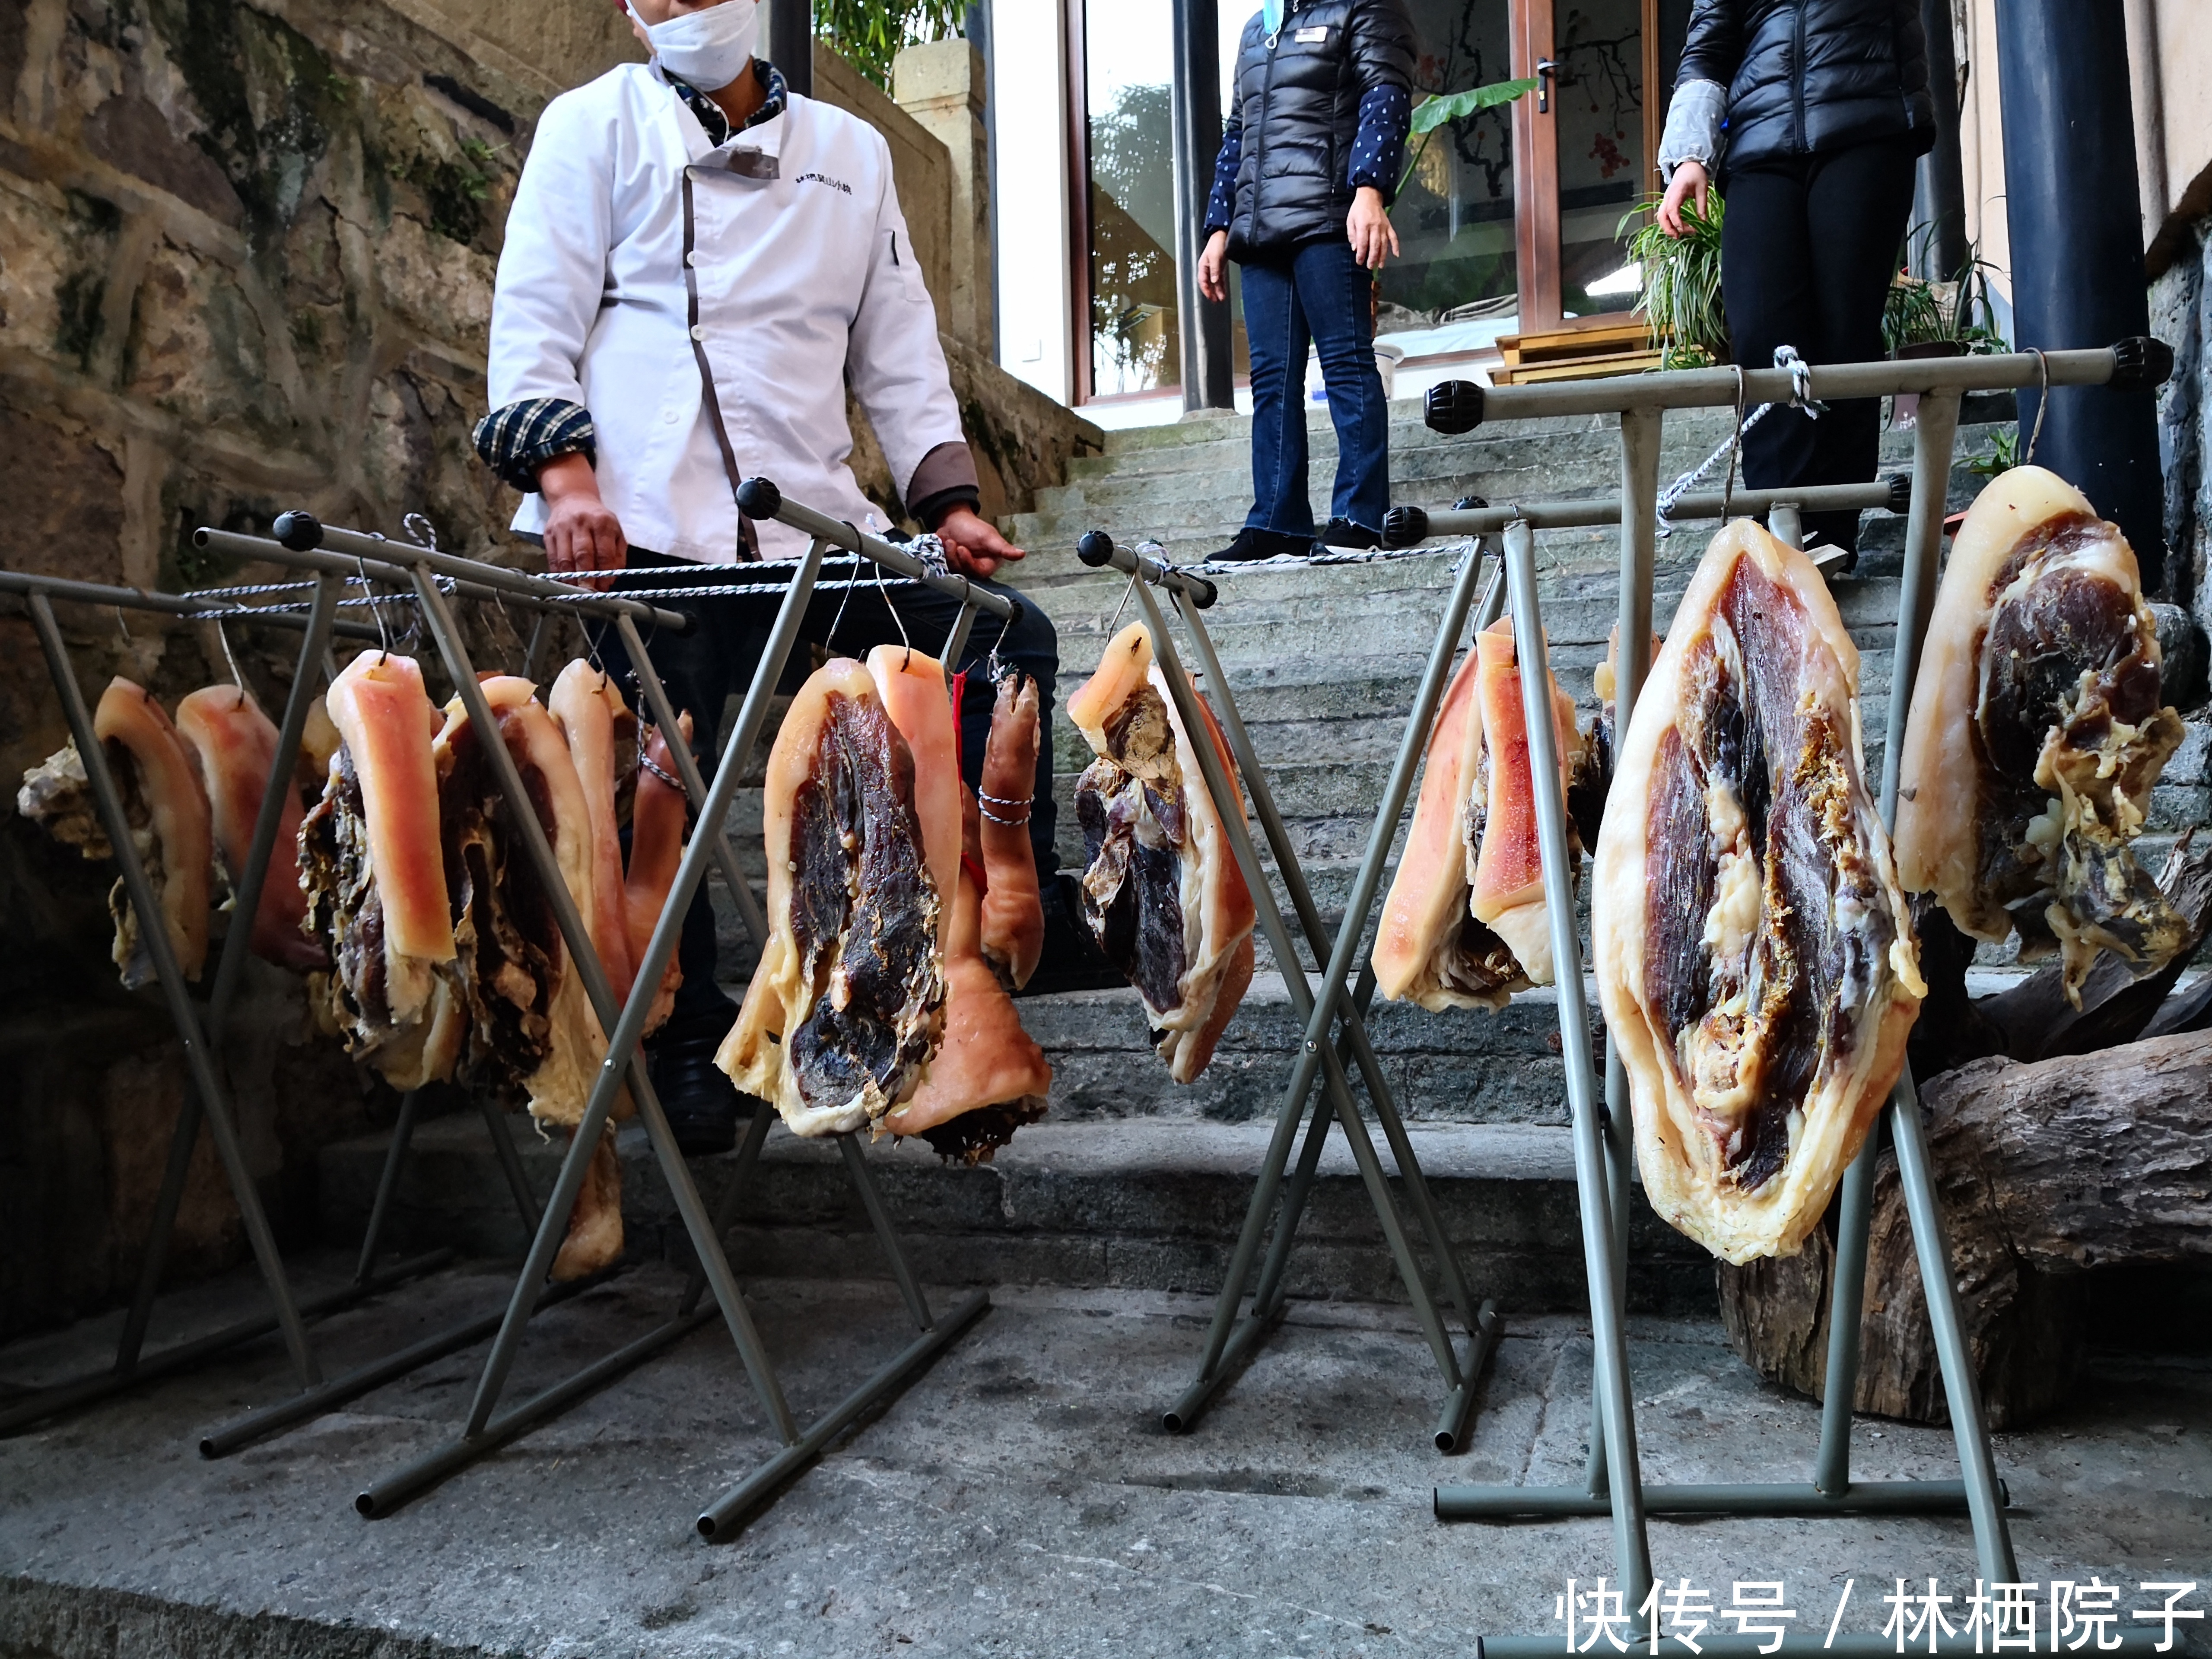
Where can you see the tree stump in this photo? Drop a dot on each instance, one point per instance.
(2043, 1170)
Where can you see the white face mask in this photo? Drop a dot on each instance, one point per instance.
(709, 48)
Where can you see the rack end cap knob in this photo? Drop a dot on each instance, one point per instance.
(757, 498)
(1095, 548)
(1453, 407)
(1403, 526)
(2141, 362)
(1203, 592)
(300, 532)
(1900, 492)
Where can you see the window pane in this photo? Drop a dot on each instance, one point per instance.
(1454, 288)
(1602, 168)
(1129, 67)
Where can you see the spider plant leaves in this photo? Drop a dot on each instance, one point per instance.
(1680, 301)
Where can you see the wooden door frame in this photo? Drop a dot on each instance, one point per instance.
(1081, 368)
(1536, 219)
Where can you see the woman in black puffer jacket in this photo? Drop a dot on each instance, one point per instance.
(1810, 114)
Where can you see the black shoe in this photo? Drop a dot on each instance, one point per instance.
(1252, 543)
(701, 1103)
(1071, 959)
(1342, 535)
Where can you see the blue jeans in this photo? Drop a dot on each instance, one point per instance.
(1321, 295)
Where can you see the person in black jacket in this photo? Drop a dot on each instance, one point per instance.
(1302, 189)
(1810, 114)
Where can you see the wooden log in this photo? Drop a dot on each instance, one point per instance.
(2044, 1171)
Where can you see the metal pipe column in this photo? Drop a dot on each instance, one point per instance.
(1209, 370)
(1631, 1548)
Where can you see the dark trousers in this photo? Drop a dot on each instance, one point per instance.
(1808, 250)
(716, 661)
(1318, 296)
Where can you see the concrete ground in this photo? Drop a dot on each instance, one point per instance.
(1020, 1499)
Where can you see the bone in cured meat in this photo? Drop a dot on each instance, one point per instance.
(656, 849)
(847, 1004)
(1465, 924)
(236, 746)
(373, 870)
(2037, 733)
(531, 1022)
(170, 823)
(1012, 921)
(1162, 892)
(1753, 950)
(599, 728)
(988, 1077)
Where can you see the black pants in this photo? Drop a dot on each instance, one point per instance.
(716, 661)
(1808, 250)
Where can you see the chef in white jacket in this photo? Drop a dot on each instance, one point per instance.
(698, 264)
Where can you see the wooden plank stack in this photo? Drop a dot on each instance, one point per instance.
(1577, 354)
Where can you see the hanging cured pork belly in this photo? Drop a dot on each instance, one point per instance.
(988, 1077)
(235, 745)
(1161, 891)
(656, 849)
(602, 737)
(1753, 951)
(594, 1239)
(375, 880)
(2036, 732)
(170, 823)
(531, 1022)
(847, 1004)
(1465, 924)
(1013, 920)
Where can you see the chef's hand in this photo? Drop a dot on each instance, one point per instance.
(1373, 239)
(971, 546)
(1213, 277)
(582, 534)
(1689, 176)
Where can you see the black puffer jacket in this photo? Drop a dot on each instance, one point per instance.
(1297, 101)
(1809, 75)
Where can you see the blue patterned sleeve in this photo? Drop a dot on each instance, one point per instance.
(1221, 201)
(1378, 154)
(516, 440)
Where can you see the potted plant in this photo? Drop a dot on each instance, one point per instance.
(1680, 276)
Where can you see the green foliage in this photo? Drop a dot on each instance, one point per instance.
(2004, 454)
(454, 190)
(1916, 313)
(1680, 301)
(869, 33)
(1443, 108)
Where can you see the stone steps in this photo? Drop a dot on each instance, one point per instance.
(1125, 1204)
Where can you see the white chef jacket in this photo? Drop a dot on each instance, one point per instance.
(807, 282)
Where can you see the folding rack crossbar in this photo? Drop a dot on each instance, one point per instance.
(1603, 1154)
(200, 1030)
(486, 1430)
(1231, 1341)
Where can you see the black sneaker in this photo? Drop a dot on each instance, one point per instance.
(1342, 535)
(1252, 543)
(702, 1104)
(1071, 959)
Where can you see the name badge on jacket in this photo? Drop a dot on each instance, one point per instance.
(1312, 37)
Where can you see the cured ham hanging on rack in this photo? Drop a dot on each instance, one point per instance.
(1465, 924)
(1011, 925)
(171, 824)
(847, 1004)
(656, 849)
(2037, 733)
(1161, 890)
(1753, 948)
(235, 745)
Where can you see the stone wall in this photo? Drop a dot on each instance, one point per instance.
(246, 253)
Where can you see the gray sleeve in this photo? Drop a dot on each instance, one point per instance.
(1693, 126)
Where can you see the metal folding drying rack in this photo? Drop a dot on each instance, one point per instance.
(1602, 1145)
(427, 578)
(199, 1028)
